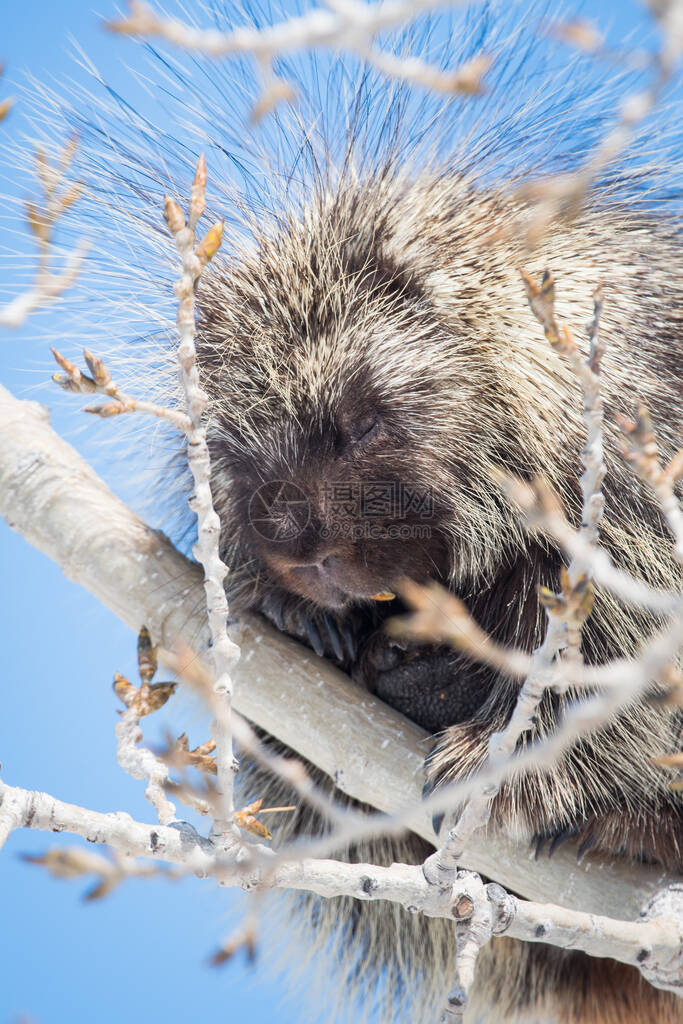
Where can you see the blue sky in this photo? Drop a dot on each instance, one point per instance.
(140, 954)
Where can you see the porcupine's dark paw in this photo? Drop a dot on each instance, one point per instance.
(329, 635)
(425, 683)
(419, 680)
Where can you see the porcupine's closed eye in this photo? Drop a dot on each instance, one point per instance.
(364, 430)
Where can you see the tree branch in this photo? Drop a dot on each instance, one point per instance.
(656, 939)
(50, 495)
(59, 194)
(338, 25)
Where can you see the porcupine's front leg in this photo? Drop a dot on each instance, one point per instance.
(528, 807)
(457, 752)
(616, 807)
(463, 704)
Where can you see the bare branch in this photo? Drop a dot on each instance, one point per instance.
(63, 508)
(562, 196)
(134, 759)
(565, 613)
(101, 383)
(475, 919)
(224, 652)
(659, 933)
(641, 450)
(58, 195)
(340, 25)
(542, 511)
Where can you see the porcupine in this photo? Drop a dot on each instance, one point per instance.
(385, 337)
(378, 332)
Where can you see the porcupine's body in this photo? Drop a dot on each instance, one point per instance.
(378, 332)
(385, 337)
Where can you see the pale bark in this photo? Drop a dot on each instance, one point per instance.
(654, 944)
(224, 653)
(342, 25)
(50, 495)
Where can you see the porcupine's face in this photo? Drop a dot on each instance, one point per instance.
(332, 392)
(335, 512)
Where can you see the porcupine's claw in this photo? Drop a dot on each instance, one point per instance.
(314, 637)
(349, 641)
(326, 625)
(437, 816)
(557, 838)
(437, 821)
(431, 783)
(276, 613)
(281, 611)
(327, 635)
(540, 843)
(585, 846)
(334, 637)
(570, 832)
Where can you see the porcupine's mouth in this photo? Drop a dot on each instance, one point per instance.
(323, 586)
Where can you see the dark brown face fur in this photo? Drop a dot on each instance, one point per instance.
(340, 516)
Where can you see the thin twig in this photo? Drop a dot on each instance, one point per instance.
(340, 25)
(224, 652)
(566, 612)
(59, 195)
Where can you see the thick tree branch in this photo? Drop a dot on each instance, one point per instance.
(50, 495)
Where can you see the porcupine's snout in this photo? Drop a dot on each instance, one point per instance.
(320, 542)
(334, 577)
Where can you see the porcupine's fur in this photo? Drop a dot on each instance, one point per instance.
(388, 293)
(392, 298)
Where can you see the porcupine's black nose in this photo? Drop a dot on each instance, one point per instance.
(326, 570)
(331, 564)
